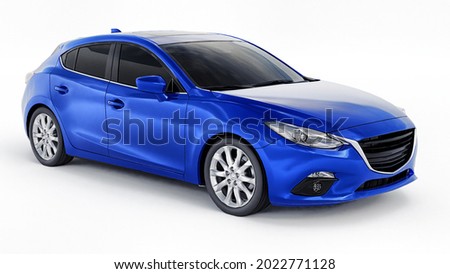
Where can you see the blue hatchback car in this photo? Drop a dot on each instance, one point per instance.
(216, 111)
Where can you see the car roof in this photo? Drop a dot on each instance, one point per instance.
(163, 37)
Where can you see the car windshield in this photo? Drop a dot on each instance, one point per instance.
(227, 65)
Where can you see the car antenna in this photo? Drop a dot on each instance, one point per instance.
(114, 30)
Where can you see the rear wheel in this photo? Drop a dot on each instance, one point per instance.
(46, 138)
(234, 178)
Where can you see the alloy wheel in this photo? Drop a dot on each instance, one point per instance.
(45, 136)
(232, 176)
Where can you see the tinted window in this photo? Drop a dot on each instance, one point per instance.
(92, 60)
(136, 62)
(69, 59)
(221, 65)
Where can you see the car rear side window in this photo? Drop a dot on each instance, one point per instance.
(136, 62)
(69, 59)
(92, 60)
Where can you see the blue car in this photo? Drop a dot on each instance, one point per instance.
(216, 111)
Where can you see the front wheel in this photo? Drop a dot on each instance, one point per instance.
(234, 178)
(46, 138)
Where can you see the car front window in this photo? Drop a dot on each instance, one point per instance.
(226, 65)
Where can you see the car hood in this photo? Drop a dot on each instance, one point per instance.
(313, 99)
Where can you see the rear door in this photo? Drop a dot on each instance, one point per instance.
(78, 88)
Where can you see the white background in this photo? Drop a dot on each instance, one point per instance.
(94, 213)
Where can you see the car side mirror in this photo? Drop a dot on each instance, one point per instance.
(151, 84)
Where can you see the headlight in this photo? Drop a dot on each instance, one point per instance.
(304, 136)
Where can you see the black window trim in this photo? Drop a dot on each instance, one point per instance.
(112, 64)
(115, 67)
(109, 61)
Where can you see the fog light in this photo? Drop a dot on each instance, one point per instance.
(315, 184)
(321, 174)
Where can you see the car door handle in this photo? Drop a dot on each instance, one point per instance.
(116, 103)
(62, 89)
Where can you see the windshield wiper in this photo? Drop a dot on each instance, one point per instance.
(273, 82)
(310, 79)
(227, 87)
(267, 83)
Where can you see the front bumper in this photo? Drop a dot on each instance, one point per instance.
(286, 165)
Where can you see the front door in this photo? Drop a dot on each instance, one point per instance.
(141, 127)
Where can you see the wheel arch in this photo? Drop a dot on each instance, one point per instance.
(30, 113)
(36, 103)
(216, 138)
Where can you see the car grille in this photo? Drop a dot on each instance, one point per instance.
(385, 181)
(389, 152)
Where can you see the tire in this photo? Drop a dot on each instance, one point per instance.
(237, 186)
(46, 138)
